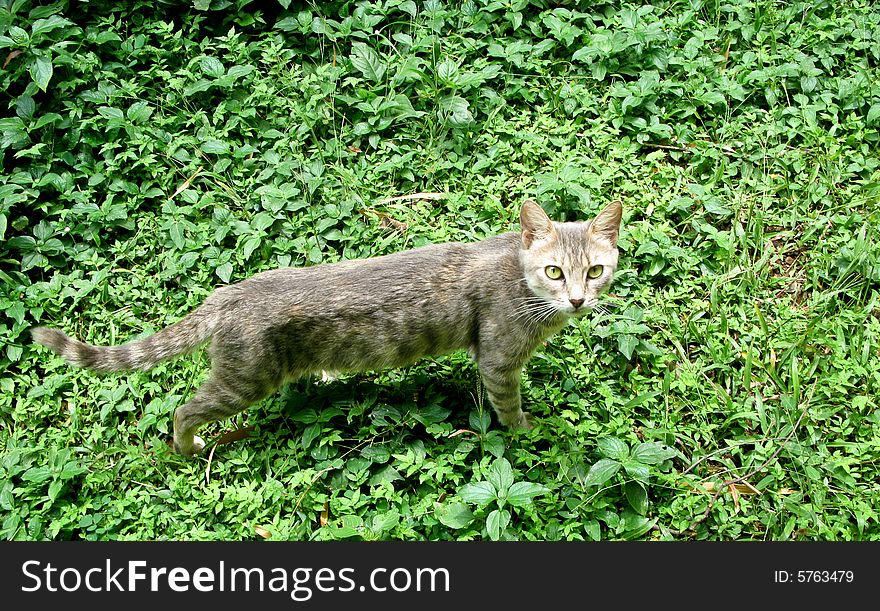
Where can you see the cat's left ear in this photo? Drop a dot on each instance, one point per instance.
(606, 226)
(535, 223)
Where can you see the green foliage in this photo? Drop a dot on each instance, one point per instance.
(146, 157)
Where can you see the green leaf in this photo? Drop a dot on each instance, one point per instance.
(454, 110)
(873, 113)
(496, 523)
(215, 147)
(501, 476)
(522, 493)
(478, 493)
(601, 472)
(446, 70)
(613, 448)
(212, 66)
(652, 452)
(351, 526)
(19, 36)
(367, 62)
(637, 470)
(16, 312)
(312, 432)
(139, 112)
(25, 106)
(626, 344)
(637, 497)
(41, 26)
(177, 235)
(454, 515)
(41, 71)
(37, 474)
(224, 272)
(376, 453)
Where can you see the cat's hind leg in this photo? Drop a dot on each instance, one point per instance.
(214, 400)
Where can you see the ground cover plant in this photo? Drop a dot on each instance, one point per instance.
(727, 389)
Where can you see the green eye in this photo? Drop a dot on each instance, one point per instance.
(594, 272)
(553, 272)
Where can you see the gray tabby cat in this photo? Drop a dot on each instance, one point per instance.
(499, 298)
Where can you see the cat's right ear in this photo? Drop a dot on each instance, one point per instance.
(535, 223)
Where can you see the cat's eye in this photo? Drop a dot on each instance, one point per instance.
(594, 272)
(553, 272)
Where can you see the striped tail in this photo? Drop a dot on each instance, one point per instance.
(180, 338)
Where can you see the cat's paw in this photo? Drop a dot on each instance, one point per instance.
(525, 422)
(189, 449)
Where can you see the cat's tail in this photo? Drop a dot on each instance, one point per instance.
(180, 338)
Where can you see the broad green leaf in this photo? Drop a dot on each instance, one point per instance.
(351, 526)
(478, 493)
(601, 472)
(41, 26)
(311, 432)
(177, 235)
(501, 476)
(496, 523)
(385, 521)
(873, 113)
(376, 453)
(613, 448)
(25, 106)
(16, 312)
(522, 493)
(637, 470)
(493, 443)
(367, 62)
(215, 147)
(637, 497)
(480, 421)
(454, 110)
(3, 225)
(139, 112)
(454, 515)
(200, 85)
(212, 66)
(224, 272)
(447, 69)
(37, 474)
(626, 344)
(41, 71)
(652, 452)
(18, 35)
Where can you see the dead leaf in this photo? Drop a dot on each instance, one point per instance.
(12, 55)
(325, 514)
(743, 488)
(263, 532)
(235, 435)
(430, 196)
(186, 183)
(462, 432)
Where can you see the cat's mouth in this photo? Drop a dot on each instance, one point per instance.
(578, 310)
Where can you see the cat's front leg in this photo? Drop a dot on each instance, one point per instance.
(502, 387)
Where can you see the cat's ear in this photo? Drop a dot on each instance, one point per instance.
(606, 226)
(535, 223)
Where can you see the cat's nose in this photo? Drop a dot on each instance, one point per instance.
(576, 302)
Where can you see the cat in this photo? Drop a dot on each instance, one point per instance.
(498, 298)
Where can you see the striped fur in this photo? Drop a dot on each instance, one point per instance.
(493, 297)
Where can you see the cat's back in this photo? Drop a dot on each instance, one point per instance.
(432, 269)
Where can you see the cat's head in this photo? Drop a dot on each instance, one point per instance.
(568, 265)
